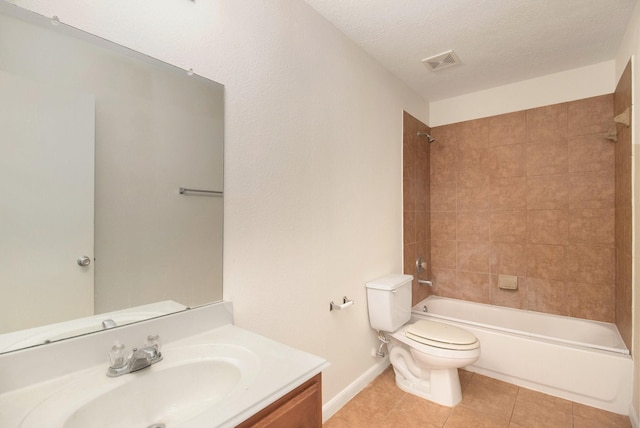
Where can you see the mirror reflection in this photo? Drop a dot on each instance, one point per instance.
(96, 142)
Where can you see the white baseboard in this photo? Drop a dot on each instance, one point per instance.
(353, 389)
(633, 417)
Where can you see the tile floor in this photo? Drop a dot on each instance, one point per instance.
(486, 403)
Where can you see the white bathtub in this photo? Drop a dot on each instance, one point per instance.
(579, 360)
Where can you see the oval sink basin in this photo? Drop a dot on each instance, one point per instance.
(184, 384)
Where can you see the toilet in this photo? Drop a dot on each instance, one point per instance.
(425, 355)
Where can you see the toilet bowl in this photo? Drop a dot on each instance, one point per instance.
(428, 368)
(425, 355)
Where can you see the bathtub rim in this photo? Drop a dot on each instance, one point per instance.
(417, 310)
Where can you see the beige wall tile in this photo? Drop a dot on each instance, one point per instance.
(547, 295)
(508, 259)
(443, 196)
(590, 264)
(547, 157)
(546, 261)
(473, 165)
(422, 226)
(508, 193)
(443, 160)
(443, 225)
(444, 282)
(592, 301)
(408, 194)
(473, 226)
(592, 226)
(591, 153)
(443, 254)
(409, 227)
(590, 115)
(509, 226)
(473, 134)
(507, 161)
(548, 227)
(473, 286)
(473, 196)
(592, 189)
(473, 256)
(547, 123)
(550, 192)
(510, 128)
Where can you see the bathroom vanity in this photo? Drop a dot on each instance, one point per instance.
(213, 374)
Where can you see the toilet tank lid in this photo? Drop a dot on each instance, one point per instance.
(389, 282)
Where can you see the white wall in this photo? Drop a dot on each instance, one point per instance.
(313, 169)
(568, 85)
(630, 48)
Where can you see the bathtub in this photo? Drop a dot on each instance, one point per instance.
(579, 360)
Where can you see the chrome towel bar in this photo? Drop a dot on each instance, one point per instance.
(183, 190)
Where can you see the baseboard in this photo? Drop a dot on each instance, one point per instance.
(633, 417)
(353, 389)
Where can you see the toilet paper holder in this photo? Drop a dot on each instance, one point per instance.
(338, 307)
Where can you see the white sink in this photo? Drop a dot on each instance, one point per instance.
(187, 382)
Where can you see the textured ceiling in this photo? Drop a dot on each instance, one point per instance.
(498, 41)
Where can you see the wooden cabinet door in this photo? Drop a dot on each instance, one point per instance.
(301, 408)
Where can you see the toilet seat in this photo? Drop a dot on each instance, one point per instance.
(440, 335)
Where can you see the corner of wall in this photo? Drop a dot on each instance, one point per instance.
(342, 398)
(569, 85)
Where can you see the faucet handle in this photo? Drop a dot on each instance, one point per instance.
(117, 356)
(154, 340)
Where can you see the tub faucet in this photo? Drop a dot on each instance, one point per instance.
(121, 363)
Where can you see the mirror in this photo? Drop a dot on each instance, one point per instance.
(96, 142)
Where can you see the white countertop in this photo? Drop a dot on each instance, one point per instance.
(281, 369)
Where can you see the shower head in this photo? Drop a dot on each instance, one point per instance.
(430, 139)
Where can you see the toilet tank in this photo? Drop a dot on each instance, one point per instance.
(389, 302)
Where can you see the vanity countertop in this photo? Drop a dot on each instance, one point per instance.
(279, 369)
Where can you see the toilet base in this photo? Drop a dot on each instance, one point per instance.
(442, 387)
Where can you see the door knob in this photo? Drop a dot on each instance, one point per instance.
(84, 261)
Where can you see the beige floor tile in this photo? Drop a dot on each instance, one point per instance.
(336, 422)
(422, 410)
(490, 396)
(464, 417)
(486, 403)
(536, 410)
(589, 417)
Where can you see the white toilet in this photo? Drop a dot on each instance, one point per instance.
(425, 355)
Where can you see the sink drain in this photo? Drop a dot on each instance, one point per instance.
(156, 426)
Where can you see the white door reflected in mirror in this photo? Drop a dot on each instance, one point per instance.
(46, 209)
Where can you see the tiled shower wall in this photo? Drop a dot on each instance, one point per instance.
(623, 315)
(530, 194)
(416, 236)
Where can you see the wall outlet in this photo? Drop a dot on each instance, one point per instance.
(508, 282)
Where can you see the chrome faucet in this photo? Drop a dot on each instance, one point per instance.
(121, 362)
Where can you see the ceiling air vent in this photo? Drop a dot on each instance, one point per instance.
(443, 60)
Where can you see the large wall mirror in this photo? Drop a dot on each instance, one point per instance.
(96, 143)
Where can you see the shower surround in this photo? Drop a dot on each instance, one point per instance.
(530, 194)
